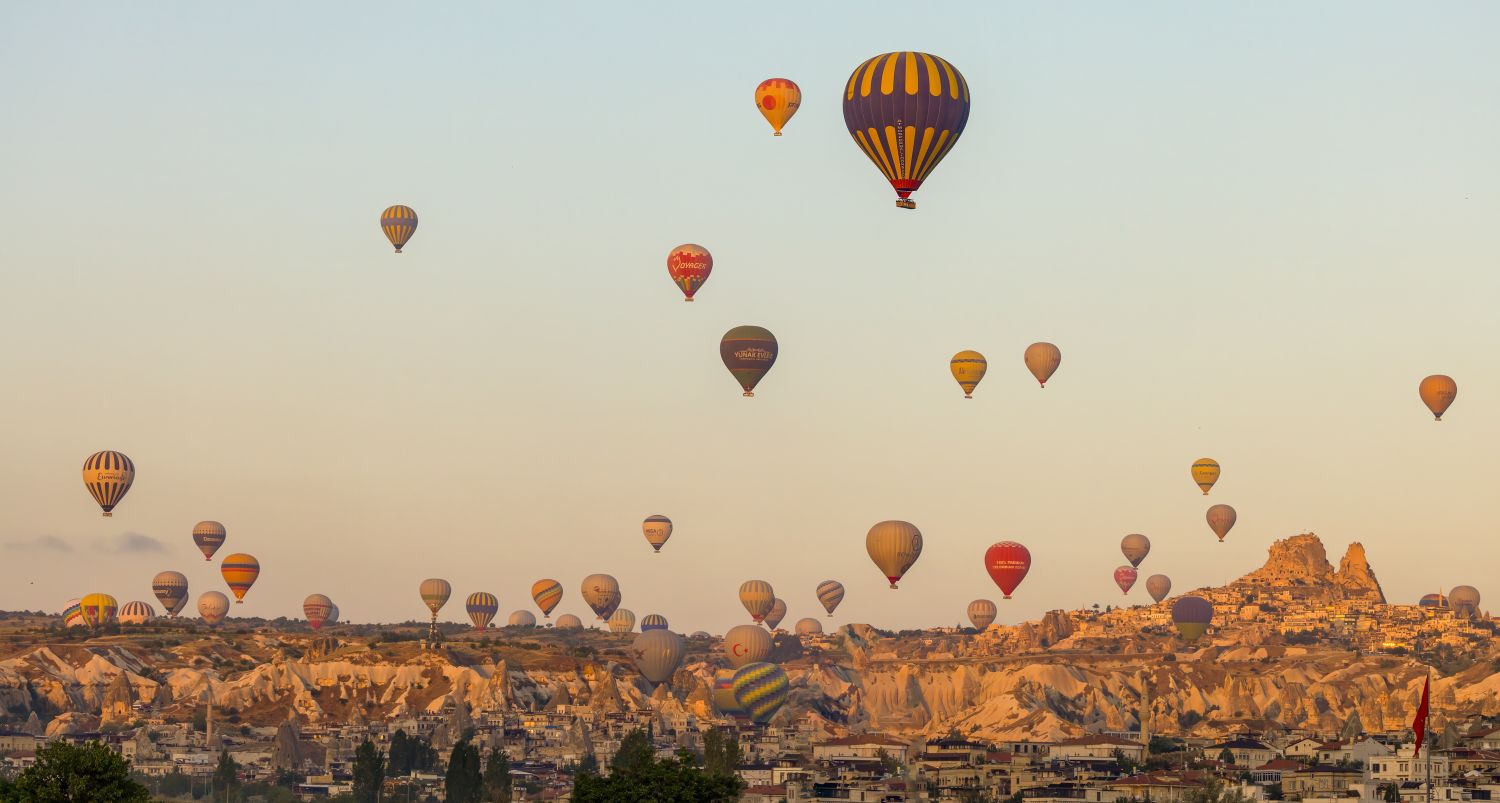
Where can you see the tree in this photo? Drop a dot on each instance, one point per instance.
(647, 780)
(369, 772)
(1391, 793)
(635, 752)
(588, 765)
(497, 777)
(721, 752)
(1226, 757)
(465, 781)
(1214, 790)
(64, 773)
(888, 764)
(226, 777)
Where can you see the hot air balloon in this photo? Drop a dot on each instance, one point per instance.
(108, 476)
(1135, 547)
(760, 689)
(209, 536)
(968, 368)
(213, 607)
(73, 613)
(171, 590)
(481, 607)
(333, 616)
(982, 613)
(1436, 601)
(546, 594)
(778, 612)
(1125, 577)
(723, 694)
(621, 621)
(830, 594)
(657, 654)
(699, 634)
(1007, 562)
(435, 592)
(748, 352)
(689, 266)
(1158, 586)
(569, 622)
(602, 593)
(1465, 600)
(808, 626)
(1221, 520)
(758, 598)
(99, 609)
(240, 571)
(777, 99)
(657, 530)
(906, 110)
(894, 546)
(746, 644)
(1437, 391)
(399, 223)
(653, 621)
(1192, 615)
(1205, 473)
(136, 612)
(317, 608)
(1042, 360)
(521, 619)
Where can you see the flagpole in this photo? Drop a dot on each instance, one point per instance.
(1424, 738)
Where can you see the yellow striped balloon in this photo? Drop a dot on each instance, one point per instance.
(1205, 473)
(482, 606)
(657, 530)
(723, 694)
(108, 476)
(758, 598)
(435, 592)
(240, 571)
(399, 223)
(546, 594)
(760, 689)
(968, 368)
(622, 621)
(98, 609)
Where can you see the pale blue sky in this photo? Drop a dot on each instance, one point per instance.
(1252, 229)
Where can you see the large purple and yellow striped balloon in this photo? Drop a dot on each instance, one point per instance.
(240, 571)
(481, 606)
(905, 110)
(399, 223)
(653, 621)
(760, 689)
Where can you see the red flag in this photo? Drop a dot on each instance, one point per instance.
(1420, 723)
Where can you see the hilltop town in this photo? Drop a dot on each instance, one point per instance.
(1304, 688)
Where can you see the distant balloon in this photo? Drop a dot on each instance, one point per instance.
(723, 694)
(699, 634)
(778, 612)
(894, 546)
(657, 654)
(830, 594)
(240, 571)
(602, 593)
(108, 477)
(808, 627)
(968, 368)
(1042, 360)
(982, 613)
(1205, 473)
(1125, 577)
(317, 608)
(1437, 392)
(136, 612)
(689, 266)
(760, 689)
(748, 352)
(653, 621)
(435, 592)
(1135, 547)
(209, 536)
(399, 223)
(1007, 562)
(1221, 519)
(546, 594)
(1192, 615)
(1427, 601)
(171, 590)
(758, 598)
(1465, 600)
(906, 110)
(569, 622)
(746, 644)
(521, 619)
(657, 530)
(621, 621)
(213, 606)
(73, 613)
(1158, 586)
(333, 616)
(481, 607)
(777, 99)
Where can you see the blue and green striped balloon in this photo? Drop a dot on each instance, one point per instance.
(760, 689)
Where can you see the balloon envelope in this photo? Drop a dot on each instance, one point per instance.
(1205, 473)
(657, 530)
(108, 476)
(1007, 562)
(1465, 600)
(1125, 578)
(905, 111)
(968, 368)
(1158, 586)
(481, 607)
(208, 536)
(546, 594)
(399, 223)
(240, 571)
(758, 598)
(621, 621)
(1438, 392)
(521, 619)
(748, 352)
(830, 594)
(435, 592)
(569, 622)
(778, 612)
(213, 606)
(1135, 547)
(136, 612)
(653, 621)
(894, 546)
(601, 592)
(723, 693)
(1042, 360)
(778, 99)
(99, 609)
(689, 265)
(317, 608)
(658, 653)
(73, 613)
(1221, 519)
(982, 613)
(808, 626)
(746, 644)
(760, 689)
(1192, 615)
(171, 590)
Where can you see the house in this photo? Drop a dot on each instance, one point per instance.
(867, 746)
(1159, 787)
(764, 794)
(1402, 766)
(1247, 752)
(1319, 780)
(1097, 748)
(1304, 748)
(1348, 753)
(1271, 771)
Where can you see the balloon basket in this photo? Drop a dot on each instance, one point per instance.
(689, 299)
(108, 515)
(776, 134)
(749, 394)
(906, 203)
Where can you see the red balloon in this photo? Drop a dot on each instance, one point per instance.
(1125, 577)
(1007, 562)
(689, 266)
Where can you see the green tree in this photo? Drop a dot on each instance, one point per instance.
(398, 761)
(888, 764)
(1226, 757)
(175, 784)
(1214, 790)
(671, 780)
(497, 777)
(64, 773)
(721, 752)
(1391, 793)
(635, 752)
(226, 777)
(465, 780)
(369, 773)
(588, 765)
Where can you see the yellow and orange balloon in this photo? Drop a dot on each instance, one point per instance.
(778, 99)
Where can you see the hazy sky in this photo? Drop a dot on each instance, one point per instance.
(1251, 228)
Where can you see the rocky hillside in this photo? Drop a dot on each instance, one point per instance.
(1300, 564)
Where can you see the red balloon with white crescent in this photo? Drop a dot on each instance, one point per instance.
(1007, 562)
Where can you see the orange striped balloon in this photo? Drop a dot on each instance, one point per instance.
(399, 223)
(240, 571)
(546, 594)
